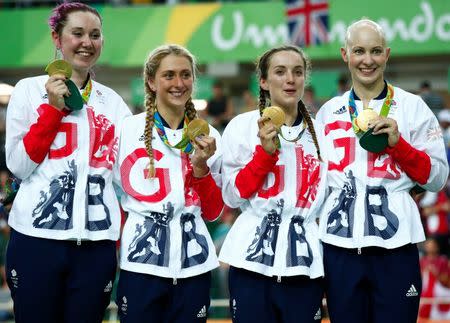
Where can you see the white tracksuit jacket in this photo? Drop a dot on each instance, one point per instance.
(368, 203)
(164, 234)
(276, 234)
(66, 190)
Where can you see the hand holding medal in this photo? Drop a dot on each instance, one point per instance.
(368, 140)
(205, 146)
(195, 133)
(62, 68)
(366, 117)
(275, 115)
(59, 67)
(269, 127)
(197, 128)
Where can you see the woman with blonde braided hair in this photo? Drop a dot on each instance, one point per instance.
(171, 183)
(272, 169)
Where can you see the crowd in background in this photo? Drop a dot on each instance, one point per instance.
(220, 109)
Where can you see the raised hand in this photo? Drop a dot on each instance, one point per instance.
(56, 90)
(387, 126)
(268, 134)
(205, 147)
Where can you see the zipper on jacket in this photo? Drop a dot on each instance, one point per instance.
(174, 281)
(359, 250)
(278, 268)
(83, 169)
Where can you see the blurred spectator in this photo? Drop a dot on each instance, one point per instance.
(2, 137)
(248, 101)
(9, 187)
(310, 101)
(220, 275)
(435, 208)
(219, 108)
(27, 3)
(342, 85)
(226, 221)
(435, 281)
(8, 190)
(444, 121)
(434, 101)
(447, 189)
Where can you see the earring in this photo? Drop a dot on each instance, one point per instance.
(58, 53)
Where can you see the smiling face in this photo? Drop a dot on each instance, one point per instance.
(80, 40)
(285, 79)
(366, 55)
(173, 82)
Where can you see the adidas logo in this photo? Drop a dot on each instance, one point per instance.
(202, 312)
(412, 291)
(318, 315)
(124, 306)
(14, 278)
(108, 287)
(233, 307)
(342, 110)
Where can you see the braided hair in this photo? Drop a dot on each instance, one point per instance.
(150, 68)
(262, 68)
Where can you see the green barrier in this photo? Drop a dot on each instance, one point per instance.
(223, 32)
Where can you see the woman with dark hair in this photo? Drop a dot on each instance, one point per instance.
(274, 173)
(65, 218)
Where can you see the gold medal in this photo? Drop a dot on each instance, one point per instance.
(74, 101)
(59, 66)
(197, 128)
(275, 115)
(364, 118)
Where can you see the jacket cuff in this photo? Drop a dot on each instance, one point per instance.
(415, 163)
